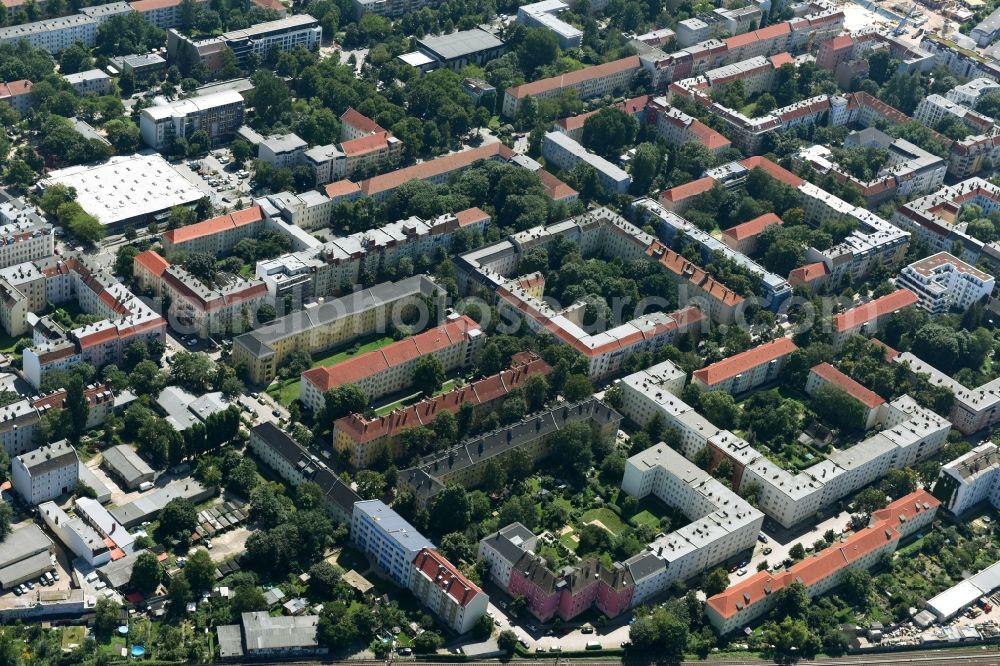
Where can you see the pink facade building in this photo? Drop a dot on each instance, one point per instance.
(589, 584)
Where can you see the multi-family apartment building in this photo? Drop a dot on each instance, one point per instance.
(820, 572)
(215, 236)
(671, 227)
(388, 539)
(909, 171)
(717, 23)
(279, 36)
(590, 82)
(24, 234)
(90, 82)
(943, 282)
(219, 114)
(162, 14)
(909, 433)
(390, 8)
(936, 219)
(440, 586)
(874, 241)
(45, 473)
(747, 370)
(565, 153)
(283, 151)
(321, 326)
(205, 310)
(544, 15)
(78, 536)
(96, 291)
(866, 319)
(380, 372)
(296, 465)
(337, 265)
(504, 548)
(18, 94)
(723, 523)
(55, 34)
(465, 463)
(970, 480)
(743, 237)
(825, 374)
(360, 439)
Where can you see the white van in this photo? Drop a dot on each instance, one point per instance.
(145, 485)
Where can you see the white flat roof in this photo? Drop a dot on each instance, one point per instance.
(126, 187)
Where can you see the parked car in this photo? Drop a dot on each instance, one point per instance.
(741, 572)
(768, 551)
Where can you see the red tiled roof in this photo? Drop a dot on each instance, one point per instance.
(841, 42)
(887, 304)
(555, 189)
(883, 527)
(480, 392)
(807, 273)
(15, 88)
(435, 167)
(57, 399)
(446, 576)
(271, 4)
(214, 225)
(365, 144)
(687, 190)
(99, 337)
(734, 365)
(362, 123)
(753, 227)
(574, 78)
(832, 375)
(341, 188)
(773, 170)
(365, 365)
(471, 216)
(151, 5)
(152, 262)
(707, 136)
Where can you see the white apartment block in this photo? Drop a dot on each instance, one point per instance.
(970, 479)
(745, 371)
(219, 114)
(544, 15)
(821, 572)
(53, 35)
(935, 218)
(79, 537)
(440, 586)
(23, 237)
(280, 36)
(378, 373)
(566, 153)
(909, 433)
(974, 408)
(968, 94)
(45, 473)
(284, 151)
(504, 548)
(943, 282)
(723, 523)
(90, 82)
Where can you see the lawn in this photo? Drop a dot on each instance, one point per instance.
(607, 517)
(414, 398)
(72, 637)
(7, 343)
(288, 390)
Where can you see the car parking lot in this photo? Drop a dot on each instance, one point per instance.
(215, 175)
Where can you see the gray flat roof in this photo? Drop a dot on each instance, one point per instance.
(27, 568)
(127, 463)
(461, 43)
(23, 543)
(264, 632)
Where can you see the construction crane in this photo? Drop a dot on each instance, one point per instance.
(902, 23)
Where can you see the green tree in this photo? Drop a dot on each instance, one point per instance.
(178, 519)
(271, 98)
(645, 165)
(609, 131)
(200, 571)
(720, 408)
(539, 47)
(76, 58)
(371, 484)
(5, 515)
(247, 598)
(428, 375)
(716, 581)
(107, 617)
(662, 633)
(146, 573)
(450, 511)
(870, 500)
(77, 407)
(838, 408)
(507, 641)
